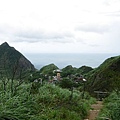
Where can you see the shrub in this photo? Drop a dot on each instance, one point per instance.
(111, 107)
(49, 103)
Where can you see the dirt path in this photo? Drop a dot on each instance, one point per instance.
(95, 109)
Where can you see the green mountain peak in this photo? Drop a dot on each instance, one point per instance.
(5, 44)
(13, 62)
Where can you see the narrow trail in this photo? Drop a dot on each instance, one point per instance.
(95, 109)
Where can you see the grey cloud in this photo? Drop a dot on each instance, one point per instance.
(42, 36)
(31, 35)
(95, 28)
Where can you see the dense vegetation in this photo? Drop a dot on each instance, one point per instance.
(42, 102)
(12, 62)
(70, 70)
(22, 97)
(48, 69)
(106, 77)
(111, 108)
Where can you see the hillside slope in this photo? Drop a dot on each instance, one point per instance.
(13, 62)
(48, 69)
(106, 77)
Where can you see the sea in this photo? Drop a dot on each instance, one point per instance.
(62, 60)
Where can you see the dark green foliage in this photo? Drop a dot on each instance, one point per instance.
(19, 107)
(111, 107)
(66, 83)
(106, 77)
(35, 87)
(48, 69)
(59, 105)
(49, 103)
(34, 75)
(84, 69)
(68, 70)
(12, 62)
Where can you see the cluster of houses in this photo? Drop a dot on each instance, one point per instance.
(57, 78)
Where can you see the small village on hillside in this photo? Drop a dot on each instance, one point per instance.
(53, 93)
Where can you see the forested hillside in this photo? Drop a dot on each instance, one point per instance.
(30, 94)
(106, 77)
(12, 62)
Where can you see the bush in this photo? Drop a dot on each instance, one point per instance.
(111, 107)
(49, 103)
(19, 107)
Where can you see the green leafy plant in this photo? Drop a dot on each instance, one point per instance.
(111, 107)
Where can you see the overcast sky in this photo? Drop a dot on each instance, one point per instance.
(69, 26)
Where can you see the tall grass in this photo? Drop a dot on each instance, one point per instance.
(111, 107)
(19, 107)
(49, 102)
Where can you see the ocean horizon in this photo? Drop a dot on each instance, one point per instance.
(62, 60)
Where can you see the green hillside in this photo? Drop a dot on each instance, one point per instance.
(84, 70)
(48, 69)
(106, 77)
(68, 70)
(12, 62)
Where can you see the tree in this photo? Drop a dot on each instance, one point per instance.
(11, 75)
(115, 84)
(70, 84)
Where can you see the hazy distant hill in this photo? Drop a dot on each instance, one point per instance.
(13, 62)
(106, 77)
